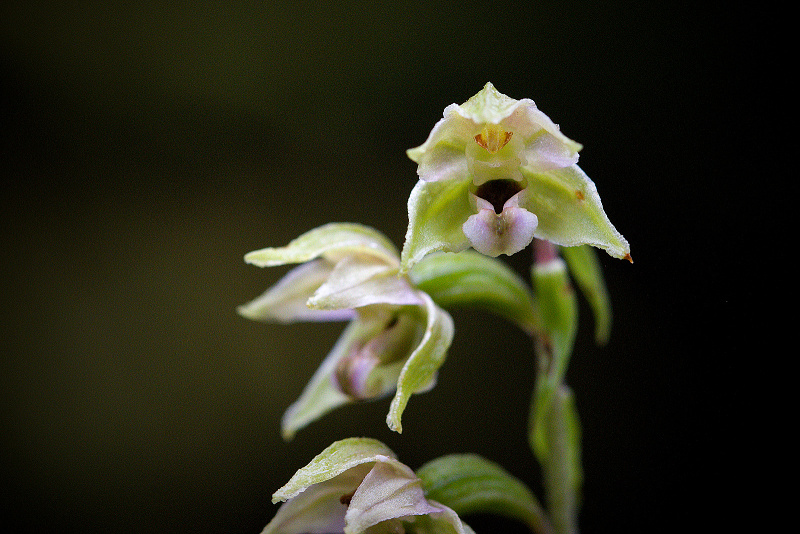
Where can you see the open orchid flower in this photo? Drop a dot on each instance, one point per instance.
(357, 485)
(397, 337)
(495, 173)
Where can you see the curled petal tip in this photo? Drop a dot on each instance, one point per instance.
(628, 257)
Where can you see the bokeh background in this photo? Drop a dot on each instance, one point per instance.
(146, 146)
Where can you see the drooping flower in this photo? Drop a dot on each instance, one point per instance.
(357, 485)
(397, 337)
(495, 173)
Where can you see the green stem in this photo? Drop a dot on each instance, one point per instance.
(554, 431)
(559, 473)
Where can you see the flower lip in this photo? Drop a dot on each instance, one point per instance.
(507, 232)
(392, 344)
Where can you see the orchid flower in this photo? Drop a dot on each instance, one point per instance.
(357, 485)
(495, 173)
(397, 337)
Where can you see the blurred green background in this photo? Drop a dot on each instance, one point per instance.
(148, 145)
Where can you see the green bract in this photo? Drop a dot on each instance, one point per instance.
(470, 279)
(471, 484)
(397, 338)
(495, 173)
(357, 485)
(585, 269)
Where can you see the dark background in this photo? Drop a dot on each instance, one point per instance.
(147, 146)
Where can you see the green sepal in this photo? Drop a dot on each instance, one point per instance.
(321, 395)
(333, 461)
(588, 274)
(436, 213)
(471, 484)
(332, 241)
(471, 279)
(419, 371)
(570, 212)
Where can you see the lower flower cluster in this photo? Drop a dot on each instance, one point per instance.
(358, 486)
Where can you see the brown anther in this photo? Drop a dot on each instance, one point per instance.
(493, 138)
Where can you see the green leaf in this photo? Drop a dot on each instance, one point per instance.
(585, 269)
(471, 279)
(470, 484)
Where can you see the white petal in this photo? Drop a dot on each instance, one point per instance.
(547, 152)
(390, 491)
(317, 509)
(286, 301)
(359, 281)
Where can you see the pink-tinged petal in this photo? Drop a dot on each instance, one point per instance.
(547, 152)
(443, 162)
(529, 121)
(285, 302)
(359, 281)
(317, 510)
(352, 372)
(508, 232)
(389, 491)
(452, 129)
(371, 370)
